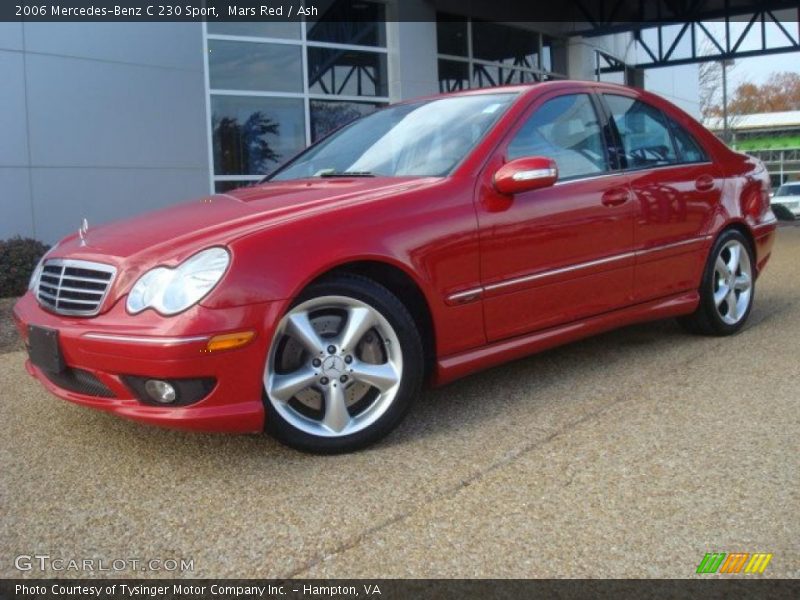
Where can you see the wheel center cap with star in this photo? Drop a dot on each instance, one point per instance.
(333, 366)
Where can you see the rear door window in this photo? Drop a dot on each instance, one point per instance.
(643, 132)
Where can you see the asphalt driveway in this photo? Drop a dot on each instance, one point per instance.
(628, 455)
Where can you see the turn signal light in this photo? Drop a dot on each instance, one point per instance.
(228, 341)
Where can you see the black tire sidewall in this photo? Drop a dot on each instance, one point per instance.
(707, 288)
(393, 310)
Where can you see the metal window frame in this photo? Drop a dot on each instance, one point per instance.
(305, 95)
(539, 72)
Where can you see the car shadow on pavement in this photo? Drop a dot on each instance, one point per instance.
(461, 408)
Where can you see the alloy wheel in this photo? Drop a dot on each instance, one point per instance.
(733, 282)
(334, 366)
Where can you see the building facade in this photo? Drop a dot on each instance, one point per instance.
(772, 137)
(106, 120)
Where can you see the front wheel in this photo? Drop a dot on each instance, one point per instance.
(343, 368)
(727, 288)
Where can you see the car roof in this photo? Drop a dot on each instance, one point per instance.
(529, 89)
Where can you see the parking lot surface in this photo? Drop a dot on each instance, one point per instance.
(630, 454)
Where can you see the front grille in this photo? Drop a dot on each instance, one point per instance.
(80, 382)
(74, 287)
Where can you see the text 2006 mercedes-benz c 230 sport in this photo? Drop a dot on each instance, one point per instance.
(419, 244)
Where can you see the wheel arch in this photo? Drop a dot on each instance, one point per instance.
(744, 229)
(401, 284)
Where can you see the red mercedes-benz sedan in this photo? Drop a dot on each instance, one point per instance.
(421, 243)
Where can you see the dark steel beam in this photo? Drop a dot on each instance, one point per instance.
(716, 57)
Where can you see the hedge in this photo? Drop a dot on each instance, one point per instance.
(18, 258)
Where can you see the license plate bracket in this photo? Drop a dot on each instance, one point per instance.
(44, 349)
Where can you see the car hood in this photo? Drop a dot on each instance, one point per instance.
(169, 235)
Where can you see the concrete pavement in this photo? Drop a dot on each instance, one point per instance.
(627, 455)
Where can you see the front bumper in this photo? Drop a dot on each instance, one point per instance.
(115, 344)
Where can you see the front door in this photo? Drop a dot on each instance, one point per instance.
(558, 254)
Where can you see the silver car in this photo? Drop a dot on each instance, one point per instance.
(787, 199)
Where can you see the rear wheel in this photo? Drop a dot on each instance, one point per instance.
(343, 368)
(727, 289)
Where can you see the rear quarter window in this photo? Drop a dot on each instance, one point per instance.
(689, 151)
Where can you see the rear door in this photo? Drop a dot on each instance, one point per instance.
(557, 254)
(676, 188)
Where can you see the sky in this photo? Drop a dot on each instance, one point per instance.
(680, 83)
(758, 69)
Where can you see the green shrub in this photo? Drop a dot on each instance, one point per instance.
(18, 258)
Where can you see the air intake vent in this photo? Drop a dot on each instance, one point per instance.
(74, 287)
(81, 382)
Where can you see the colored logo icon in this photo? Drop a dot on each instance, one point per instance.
(720, 562)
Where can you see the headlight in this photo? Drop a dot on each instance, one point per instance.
(171, 291)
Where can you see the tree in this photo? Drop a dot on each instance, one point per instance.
(244, 147)
(711, 78)
(780, 92)
(329, 116)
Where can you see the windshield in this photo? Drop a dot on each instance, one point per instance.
(415, 139)
(789, 190)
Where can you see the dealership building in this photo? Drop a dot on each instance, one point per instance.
(105, 120)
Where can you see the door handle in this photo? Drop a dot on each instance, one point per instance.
(615, 197)
(704, 183)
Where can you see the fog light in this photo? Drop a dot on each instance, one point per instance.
(169, 392)
(160, 391)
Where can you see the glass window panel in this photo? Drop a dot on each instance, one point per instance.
(547, 53)
(451, 35)
(346, 72)
(494, 75)
(220, 187)
(425, 138)
(453, 76)
(505, 44)
(253, 135)
(274, 29)
(348, 22)
(689, 150)
(255, 66)
(327, 116)
(566, 130)
(646, 140)
(617, 77)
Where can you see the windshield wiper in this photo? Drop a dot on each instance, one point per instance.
(346, 174)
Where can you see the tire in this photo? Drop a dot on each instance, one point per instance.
(344, 367)
(782, 213)
(727, 288)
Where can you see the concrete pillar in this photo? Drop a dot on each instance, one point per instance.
(411, 41)
(580, 59)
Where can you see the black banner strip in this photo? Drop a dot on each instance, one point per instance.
(597, 14)
(391, 589)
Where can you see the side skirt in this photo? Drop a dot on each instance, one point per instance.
(450, 368)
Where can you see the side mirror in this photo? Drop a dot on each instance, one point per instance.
(525, 174)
